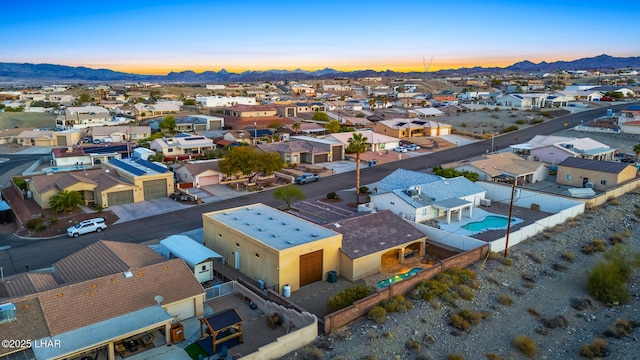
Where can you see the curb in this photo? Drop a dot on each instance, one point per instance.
(37, 238)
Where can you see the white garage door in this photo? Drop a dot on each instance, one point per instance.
(207, 180)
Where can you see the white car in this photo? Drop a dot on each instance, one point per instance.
(400, 149)
(87, 226)
(413, 147)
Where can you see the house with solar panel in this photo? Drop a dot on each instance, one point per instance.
(182, 144)
(120, 181)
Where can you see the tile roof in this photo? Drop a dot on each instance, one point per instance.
(288, 147)
(30, 323)
(101, 178)
(506, 162)
(374, 232)
(108, 130)
(595, 165)
(28, 283)
(104, 258)
(196, 169)
(372, 137)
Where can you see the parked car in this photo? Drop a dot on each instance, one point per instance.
(307, 178)
(413, 147)
(400, 149)
(86, 140)
(96, 141)
(607, 98)
(86, 226)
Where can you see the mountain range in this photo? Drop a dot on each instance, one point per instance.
(30, 73)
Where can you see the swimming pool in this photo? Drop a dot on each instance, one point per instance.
(399, 277)
(491, 222)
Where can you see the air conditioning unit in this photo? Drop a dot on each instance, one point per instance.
(485, 202)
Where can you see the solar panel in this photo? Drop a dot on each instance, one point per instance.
(124, 166)
(152, 166)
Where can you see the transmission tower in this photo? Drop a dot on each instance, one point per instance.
(426, 67)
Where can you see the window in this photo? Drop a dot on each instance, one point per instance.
(603, 182)
(568, 176)
(204, 267)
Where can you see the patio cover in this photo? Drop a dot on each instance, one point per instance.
(100, 333)
(219, 322)
(454, 204)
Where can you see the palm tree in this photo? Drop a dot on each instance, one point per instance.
(357, 145)
(636, 149)
(296, 127)
(66, 201)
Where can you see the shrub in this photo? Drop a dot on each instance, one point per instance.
(40, 226)
(521, 121)
(509, 129)
(378, 314)
(464, 319)
(455, 357)
(526, 345)
(507, 261)
(568, 256)
(620, 329)
(534, 257)
(397, 304)
(332, 195)
(98, 208)
(20, 183)
(533, 312)
(613, 201)
(595, 246)
(536, 121)
(31, 224)
(347, 297)
(459, 322)
(555, 322)
(53, 220)
(505, 299)
(598, 348)
(465, 292)
(607, 280)
(364, 190)
(414, 345)
(616, 238)
(311, 353)
(492, 356)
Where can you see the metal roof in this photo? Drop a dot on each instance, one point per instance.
(187, 249)
(594, 165)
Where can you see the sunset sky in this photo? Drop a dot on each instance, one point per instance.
(157, 37)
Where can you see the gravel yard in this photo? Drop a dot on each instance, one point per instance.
(550, 304)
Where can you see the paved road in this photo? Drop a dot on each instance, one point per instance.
(42, 253)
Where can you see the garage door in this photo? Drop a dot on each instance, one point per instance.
(120, 197)
(155, 189)
(320, 158)
(207, 180)
(336, 153)
(310, 268)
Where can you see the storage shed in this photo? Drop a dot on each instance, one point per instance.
(199, 257)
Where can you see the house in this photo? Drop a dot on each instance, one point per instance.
(120, 182)
(375, 141)
(420, 198)
(261, 116)
(221, 101)
(369, 238)
(83, 117)
(87, 155)
(554, 149)
(356, 122)
(503, 167)
(182, 144)
(272, 247)
(73, 308)
(595, 174)
(407, 128)
(423, 113)
(308, 150)
(197, 173)
(557, 100)
(35, 138)
(193, 123)
(197, 256)
(141, 110)
(521, 100)
(131, 134)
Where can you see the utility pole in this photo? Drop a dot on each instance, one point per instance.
(513, 191)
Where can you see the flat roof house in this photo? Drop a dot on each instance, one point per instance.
(599, 175)
(273, 246)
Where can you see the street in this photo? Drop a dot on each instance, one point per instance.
(42, 253)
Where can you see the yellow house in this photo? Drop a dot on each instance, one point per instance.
(272, 247)
(152, 181)
(407, 128)
(596, 174)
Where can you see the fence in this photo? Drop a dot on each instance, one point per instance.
(361, 307)
(218, 291)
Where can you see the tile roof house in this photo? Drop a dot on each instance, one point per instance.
(121, 133)
(375, 141)
(498, 167)
(307, 150)
(134, 294)
(420, 197)
(553, 149)
(182, 144)
(407, 128)
(197, 174)
(595, 174)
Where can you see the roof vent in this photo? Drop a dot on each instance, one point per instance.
(299, 229)
(275, 235)
(337, 225)
(262, 229)
(285, 223)
(290, 242)
(128, 274)
(237, 218)
(315, 235)
(260, 213)
(249, 224)
(272, 218)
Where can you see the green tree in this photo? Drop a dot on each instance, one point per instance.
(607, 280)
(84, 98)
(168, 124)
(357, 145)
(289, 194)
(296, 127)
(189, 101)
(320, 116)
(145, 142)
(66, 201)
(333, 126)
(249, 162)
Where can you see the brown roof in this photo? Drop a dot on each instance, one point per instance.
(28, 283)
(104, 258)
(89, 302)
(199, 168)
(262, 122)
(30, 323)
(374, 232)
(61, 181)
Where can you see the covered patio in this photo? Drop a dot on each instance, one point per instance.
(454, 205)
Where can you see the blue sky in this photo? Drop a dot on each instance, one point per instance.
(157, 37)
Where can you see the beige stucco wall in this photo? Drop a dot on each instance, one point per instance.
(43, 199)
(612, 179)
(102, 198)
(367, 265)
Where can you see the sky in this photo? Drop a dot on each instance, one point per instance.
(158, 37)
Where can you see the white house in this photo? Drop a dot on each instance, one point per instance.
(375, 141)
(221, 101)
(182, 144)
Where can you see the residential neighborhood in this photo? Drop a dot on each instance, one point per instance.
(253, 280)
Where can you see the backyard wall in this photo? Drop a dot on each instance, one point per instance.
(612, 193)
(438, 236)
(361, 307)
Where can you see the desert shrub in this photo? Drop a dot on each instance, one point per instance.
(637, 212)
(397, 304)
(332, 195)
(459, 322)
(495, 256)
(509, 129)
(536, 121)
(533, 312)
(598, 348)
(347, 297)
(507, 261)
(435, 304)
(492, 356)
(455, 357)
(414, 345)
(495, 116)
(607, 280)
(31, 224)
(40, 226)
(620, 329)
(537, 259)
(528, 277)
(53, 220)
(521, 121)
(613, 201)
(526, 345)
(20, 183)
(505, 299)
(554, 322)
(616, 238)
(595, 246)
(559, 267)
(568, 256)
(378, 314)
(464, 319)
(311, 353)
(465, 292)
(388, 334)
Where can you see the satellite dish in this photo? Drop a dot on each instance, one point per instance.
(158, 299)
